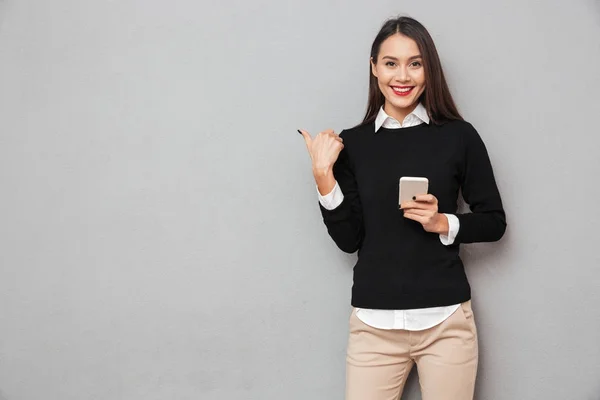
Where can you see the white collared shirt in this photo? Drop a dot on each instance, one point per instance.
(415, 319)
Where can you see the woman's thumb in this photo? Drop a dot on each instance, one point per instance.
(306, 136)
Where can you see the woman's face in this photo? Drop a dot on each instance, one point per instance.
(400, 73)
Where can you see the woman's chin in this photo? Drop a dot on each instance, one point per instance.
(401, 103)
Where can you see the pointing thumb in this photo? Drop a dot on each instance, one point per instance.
(306, 136)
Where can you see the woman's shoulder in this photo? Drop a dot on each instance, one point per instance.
(356, 131)
(460, 128)
(466, 134)
(458, 125)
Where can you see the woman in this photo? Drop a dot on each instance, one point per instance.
(410, 297)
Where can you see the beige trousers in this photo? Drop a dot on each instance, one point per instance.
(378, 361)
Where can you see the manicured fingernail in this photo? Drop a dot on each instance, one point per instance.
(414, 197)
(299, 131)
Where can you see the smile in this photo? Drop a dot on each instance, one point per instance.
(402, 90)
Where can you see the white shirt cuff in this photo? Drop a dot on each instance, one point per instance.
(453, 227)
(333, 199)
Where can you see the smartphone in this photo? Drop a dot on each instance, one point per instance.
(411, 186)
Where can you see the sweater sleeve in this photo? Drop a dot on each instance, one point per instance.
(487, 220)
(345, 223)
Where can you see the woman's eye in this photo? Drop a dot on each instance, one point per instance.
(390, 63)
(416, 64)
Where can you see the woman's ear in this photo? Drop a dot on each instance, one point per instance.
(373, 68)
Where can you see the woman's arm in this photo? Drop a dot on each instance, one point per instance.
(487, 220)
(344, 223)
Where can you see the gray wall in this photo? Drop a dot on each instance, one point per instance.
(158, 221)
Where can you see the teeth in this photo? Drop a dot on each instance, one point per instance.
(402, 90)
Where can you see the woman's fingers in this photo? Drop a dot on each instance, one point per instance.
(407, 204)
(417, 211)
(329, 139)
(324, 148)
(330, 133)
(427, 198)
(422, 201)
(419, 218)
(417, 205)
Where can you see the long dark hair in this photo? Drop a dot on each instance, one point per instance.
(436, 97)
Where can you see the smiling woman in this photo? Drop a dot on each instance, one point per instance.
(400, 75)
(411, 297)
(404, 62)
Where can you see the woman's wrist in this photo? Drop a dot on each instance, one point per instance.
(324, 179)
(322, 171)
(443, 226)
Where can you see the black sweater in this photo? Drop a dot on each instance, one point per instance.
(400, 265)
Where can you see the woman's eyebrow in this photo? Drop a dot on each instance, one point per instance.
(395, 59)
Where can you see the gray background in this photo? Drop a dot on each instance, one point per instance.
(158, 220)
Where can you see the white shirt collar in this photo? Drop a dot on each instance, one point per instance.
(418, 116)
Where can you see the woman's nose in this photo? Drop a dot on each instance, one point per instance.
(402, 75)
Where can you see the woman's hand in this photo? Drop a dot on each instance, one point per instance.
(424, 209)
(324, 150)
